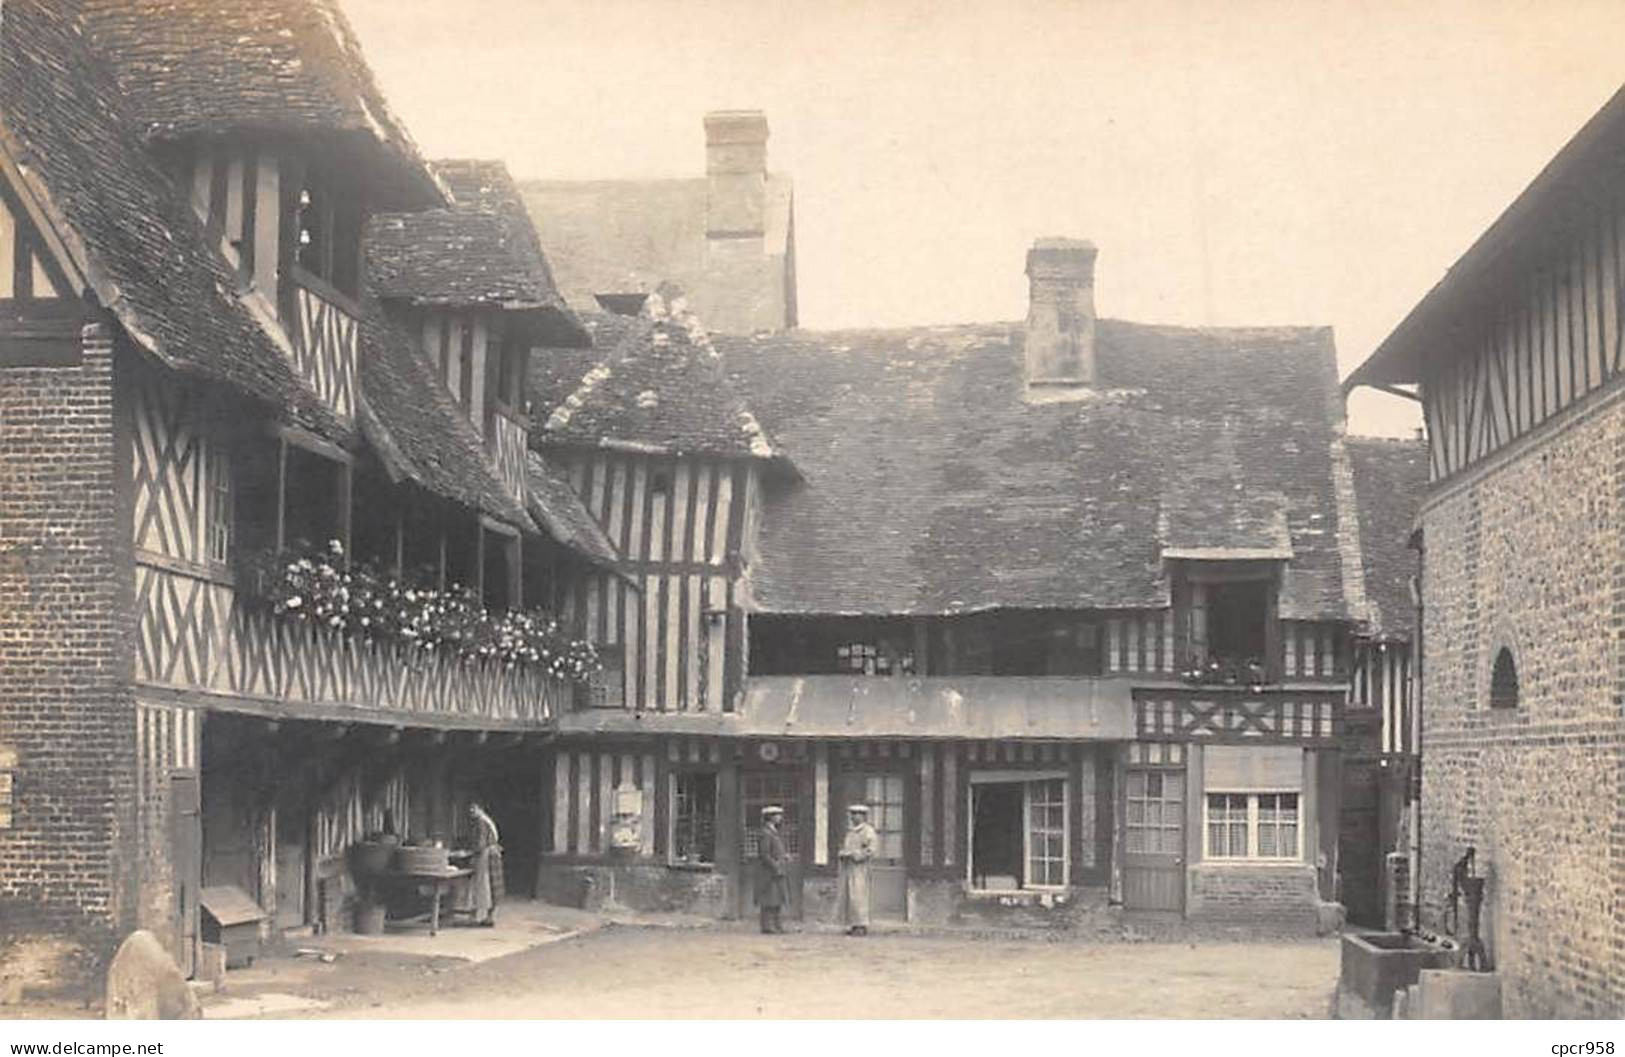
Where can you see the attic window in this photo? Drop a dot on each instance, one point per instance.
(1504, 681)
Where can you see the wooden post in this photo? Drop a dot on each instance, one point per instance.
(1274, 663)
(346, 477)
(516, 573)
(922, 647)
(400, 541)
(440, 529)
(479, 560)
(281, 494)
(728, 834)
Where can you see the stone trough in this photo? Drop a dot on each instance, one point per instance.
(1375, 965)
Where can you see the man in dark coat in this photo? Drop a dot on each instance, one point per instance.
(772, 885)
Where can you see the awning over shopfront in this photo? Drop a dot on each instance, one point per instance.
(839, 706)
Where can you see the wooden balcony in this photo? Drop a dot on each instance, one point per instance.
(323, 329)
(196, 639)
(1236, 714)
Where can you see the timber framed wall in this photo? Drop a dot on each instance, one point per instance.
(680, 525)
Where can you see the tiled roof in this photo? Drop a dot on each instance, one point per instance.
(212, 67)
(930, 485)
(482, 250)
(1390, 479)
(424, 434)
(147, 257)
(656, 383)
(560, 511)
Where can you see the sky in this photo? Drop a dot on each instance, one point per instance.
(1252, 162)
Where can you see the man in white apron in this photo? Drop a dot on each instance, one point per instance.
(857, 848)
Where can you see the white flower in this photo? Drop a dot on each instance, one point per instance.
(294, 603)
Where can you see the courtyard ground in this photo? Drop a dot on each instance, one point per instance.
(587, 968)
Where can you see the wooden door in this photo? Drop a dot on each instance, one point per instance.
(758, 789)
(291, 834)
(186, 858)
(1154, 839)
(888, 871)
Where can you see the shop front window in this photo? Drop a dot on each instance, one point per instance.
(1018, 833)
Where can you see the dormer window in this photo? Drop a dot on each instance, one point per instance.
(328, 220)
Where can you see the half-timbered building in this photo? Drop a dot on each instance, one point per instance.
(203, 386)
(1517, 357)
(1069, 603)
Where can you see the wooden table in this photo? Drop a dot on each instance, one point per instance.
(439, 881)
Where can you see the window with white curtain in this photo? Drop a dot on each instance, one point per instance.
(1253, 826)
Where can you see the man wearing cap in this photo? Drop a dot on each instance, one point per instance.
(857, 848)
(772, 887)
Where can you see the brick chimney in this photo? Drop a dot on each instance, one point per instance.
(1060, 342)
(736, 169)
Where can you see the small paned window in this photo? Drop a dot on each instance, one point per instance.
(1504, 681)
(1156, 806)
(884, 795)
(1253, 826)
(694, 818)
(1046, 832)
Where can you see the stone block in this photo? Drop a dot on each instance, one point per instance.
(1455, 994)
(144, 983)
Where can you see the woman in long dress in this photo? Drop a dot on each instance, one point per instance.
(487, 881)
(857, 848)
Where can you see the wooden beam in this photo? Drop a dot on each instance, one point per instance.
(303, 438)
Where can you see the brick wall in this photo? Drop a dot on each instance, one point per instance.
(1278, 895)
(65, 709)
(1528, 552)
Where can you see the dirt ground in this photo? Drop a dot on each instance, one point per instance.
(622, 972)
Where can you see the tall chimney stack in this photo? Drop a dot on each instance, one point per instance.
(1060, 342)
(736, 169)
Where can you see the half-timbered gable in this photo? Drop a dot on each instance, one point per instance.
(473, 281)
(669, 462)
(1515, 357)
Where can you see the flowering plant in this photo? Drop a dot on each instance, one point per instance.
(317, 588)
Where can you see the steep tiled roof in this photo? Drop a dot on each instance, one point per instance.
(626, 236)
(482, 250)
(188, 67)
(931, 486)
(147, 257)
(1390, 479)
(417, 427)
(656, 383)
